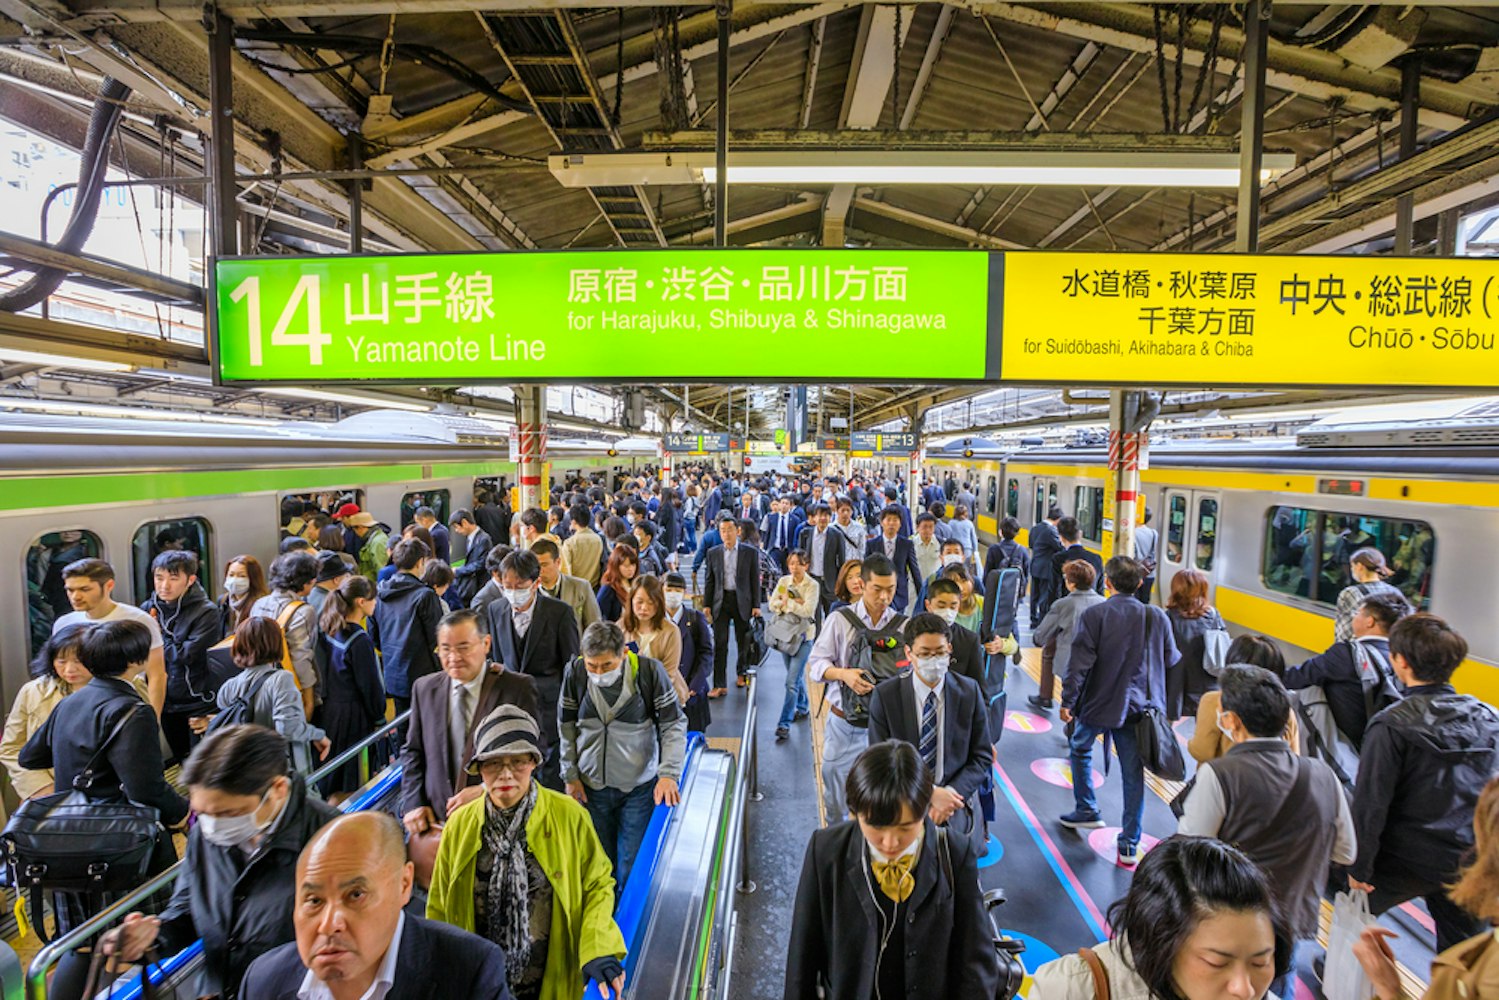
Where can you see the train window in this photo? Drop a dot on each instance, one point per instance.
(1296, 540)
(1176, 529)
(46, 598)
(1207, 533)
(1090, 512)
(297, 507)
(991, 496)
(187, 534)
(1051, 496)
(1040, 502)
(1012, 498)
(495, 485)
(438, 500)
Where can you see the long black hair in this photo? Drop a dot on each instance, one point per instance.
(64, 640)
(1181, 881)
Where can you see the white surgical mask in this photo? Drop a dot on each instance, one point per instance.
(518, 598)
(949, 615)
(236, 584)
(632, 518)
(1227, 733)
(608, 678)
(232, 831)
(674, 600)
(950, 558)
(932, 668)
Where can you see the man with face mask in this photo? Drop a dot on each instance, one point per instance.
(624, 740)
(941, 714)
(697, 650)
(536, 635)
(236, 881)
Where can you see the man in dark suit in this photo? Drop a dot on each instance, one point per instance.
(940, 713)
(468, 578)
(446, 709)
(1071, 535)
(712, 504)
(1045, 542)
(900, 551)
(731, 596)
(980, 661)
(781, 526)
(827, 548)
(365, 942)
(538, 636)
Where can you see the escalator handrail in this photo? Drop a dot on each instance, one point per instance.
(52, 953)
(728, 876)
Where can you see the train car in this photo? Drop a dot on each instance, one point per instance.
(122, 491)
(1273, 521)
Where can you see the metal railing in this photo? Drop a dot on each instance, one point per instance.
(52, 953)
(734, 876)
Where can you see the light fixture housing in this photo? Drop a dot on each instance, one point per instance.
(21, 357)
(323, 395)
(983, 167)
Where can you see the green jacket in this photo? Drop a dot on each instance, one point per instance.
(561, 836)
(373, 554)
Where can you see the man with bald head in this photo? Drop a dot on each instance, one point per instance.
(354, 940)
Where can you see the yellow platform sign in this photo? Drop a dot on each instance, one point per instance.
(1220, 320)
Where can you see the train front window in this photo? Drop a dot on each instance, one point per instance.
(185, 534)
(1176, 529)
(46, 598)
(1012, 498)
(1307, 553)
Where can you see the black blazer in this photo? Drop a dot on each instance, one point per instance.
(435, 961)
(966, 753)
(1067, 555)
(836, 921)
(429, 775)
(746, 580)
(1045, 542)
(834, 555)
(549, 646)
(905, 565)
(468, 578)
(131, 768)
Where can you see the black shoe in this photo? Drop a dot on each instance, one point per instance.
(799, 716)
(782, 734)
(1043, 704)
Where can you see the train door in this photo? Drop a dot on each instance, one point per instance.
(1189, 536)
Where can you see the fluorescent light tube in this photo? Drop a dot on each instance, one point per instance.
(982, 176)
(63, 406)
(341, 397)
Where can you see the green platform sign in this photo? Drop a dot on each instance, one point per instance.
(697, 315)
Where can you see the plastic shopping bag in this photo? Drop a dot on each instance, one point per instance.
(1344, 978)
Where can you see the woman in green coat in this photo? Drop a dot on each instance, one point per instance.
(523, 867)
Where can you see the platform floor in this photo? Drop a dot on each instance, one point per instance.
(1060, 883)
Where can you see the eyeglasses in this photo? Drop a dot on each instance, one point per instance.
(510, 767)
(462, 649)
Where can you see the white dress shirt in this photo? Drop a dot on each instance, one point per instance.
(315, 989)
(522, 619)
(919, 691)
(832, 647)
(819, 546)
(731, 567)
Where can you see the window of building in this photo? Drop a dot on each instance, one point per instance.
(438, 500)
(1306, 552)
(1207, 533)
(1012, 498)
(46, 598)
(187, 534)
(1090, 512)
(1176, 529)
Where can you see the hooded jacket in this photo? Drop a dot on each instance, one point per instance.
(241, 907)
(189, 626)
(1424, 761)
(406, 617)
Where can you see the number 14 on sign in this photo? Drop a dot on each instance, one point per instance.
(309, 290)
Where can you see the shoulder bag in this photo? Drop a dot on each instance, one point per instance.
(1154, 737)
(1095, 968)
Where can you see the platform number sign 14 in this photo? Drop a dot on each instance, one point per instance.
(308, 291)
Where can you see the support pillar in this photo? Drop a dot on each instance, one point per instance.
(531, 423)
(725, 10)
(1410, 109)
(1130, 414)
(223, 206)
(913, 467)
(1252, 135)
(356, 194)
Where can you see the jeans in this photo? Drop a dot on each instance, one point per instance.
(841, 746)
(796, 684)
(620, 819)
(1130, 769)
(689, 537)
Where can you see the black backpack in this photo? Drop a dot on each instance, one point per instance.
(241, 710)
(875, 653)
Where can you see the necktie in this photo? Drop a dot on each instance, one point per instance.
(458, 724)
(895, 878)
(781, 532)
(929, 732)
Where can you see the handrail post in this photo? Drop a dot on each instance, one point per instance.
(747, 750)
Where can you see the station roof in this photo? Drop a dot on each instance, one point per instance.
(476, 94)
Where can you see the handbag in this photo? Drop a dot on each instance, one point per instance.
(1343, 978)
(786, 633)
(67, 842)
(149, 990)
(1097, 971)
(1154, 737)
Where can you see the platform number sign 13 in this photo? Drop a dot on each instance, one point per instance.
(308, 290)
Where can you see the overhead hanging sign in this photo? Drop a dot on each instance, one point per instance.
(1222, 320)
(612, 316)
(897, 443)
(688, 443)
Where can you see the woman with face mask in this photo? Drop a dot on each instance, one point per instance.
(1199, 923)
(237, 881)
(244, 584)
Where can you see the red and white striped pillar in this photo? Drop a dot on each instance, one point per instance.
(1125, 456)
(532, 404)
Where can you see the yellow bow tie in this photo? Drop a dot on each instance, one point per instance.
(895, 878)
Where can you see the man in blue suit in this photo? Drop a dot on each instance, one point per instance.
(899, 550)
(779, 531)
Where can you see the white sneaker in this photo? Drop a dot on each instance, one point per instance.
(1129, 855)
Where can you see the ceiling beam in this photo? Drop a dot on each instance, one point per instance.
(934, 44)
(925, 223)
